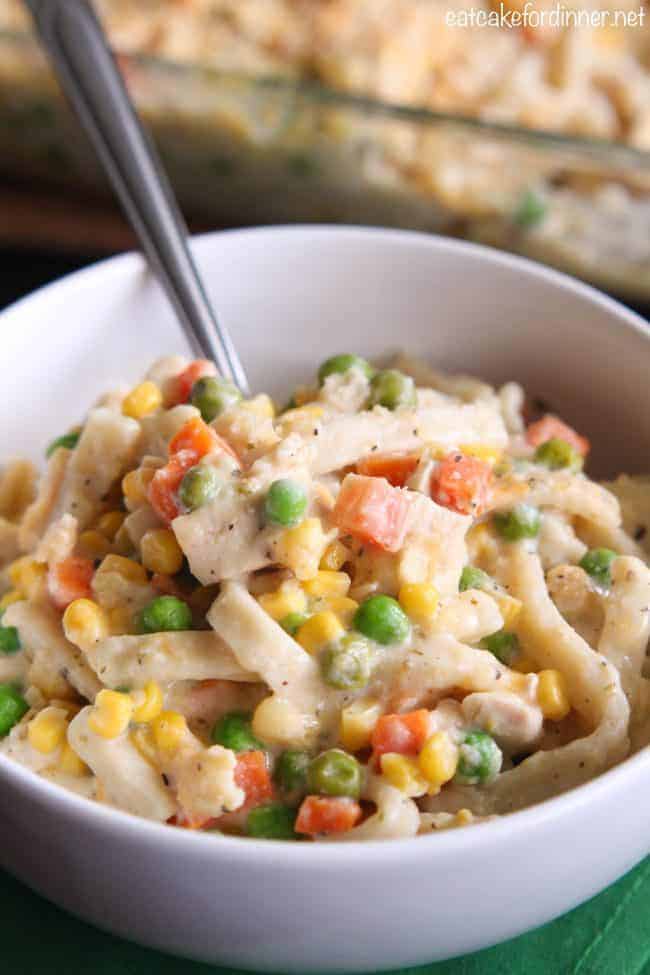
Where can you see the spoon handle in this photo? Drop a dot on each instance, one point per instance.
(86, 69)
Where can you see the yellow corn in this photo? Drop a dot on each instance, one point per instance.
(481, 543)
(261, 406)
(344, 608)
(419, 600)
(123, 543)
(142, 400)
(335, 556)
(356, 724)
(85, 623)
(161, 552)
(93, 544)
(278, 722)
(438, 760)
(509, 608)
(135, 485)
(302, 413)
(27, 575)
(148, 702)
(301, 548)
(46, 732)
(169, 729)
(319, 630)
(110, 523)
(289, 598)
(70, 763)
(404, 774)
(127, 568)
(13, 596)
(327, 583)
(111, 714)
(143, 739)
(491, 455)
(552, 695)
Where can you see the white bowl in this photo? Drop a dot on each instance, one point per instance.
(291, 297)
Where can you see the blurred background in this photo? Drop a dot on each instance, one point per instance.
(439, 115)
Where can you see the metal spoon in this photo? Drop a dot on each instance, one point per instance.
(88, 74)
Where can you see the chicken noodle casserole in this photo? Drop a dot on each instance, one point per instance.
(389, 608)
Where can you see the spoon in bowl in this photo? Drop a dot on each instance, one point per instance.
(77, 47)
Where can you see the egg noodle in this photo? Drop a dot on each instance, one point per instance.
(392, 607)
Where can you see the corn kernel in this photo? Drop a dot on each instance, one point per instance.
(464, 817)
(319, 630)
(278, 722)
(301, 548)
(111, 714)
(344, 608)
(142, 400)
(289, 598)
(27, 575)
(169, 729)
(302, 414)
(491, 455)
(127, 568)
(552, 695)
(135, 485)
(335, 556)
(148, 702)
(404, 774)
(71, 764)
(357, 723)
(46, 732)
(93, 544)
(327, 583)
(13, 596)
(419, 600)
(509, 608)
(161, 552)
(123, 543)
(85, 623)
(438, 760)
(481, 543)
(143, 739)
(110, 523)
(261, 406)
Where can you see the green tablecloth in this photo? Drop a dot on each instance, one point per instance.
(608, 936)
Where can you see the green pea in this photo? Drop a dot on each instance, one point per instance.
(530, 210)
(285, 504)
(472, 578)
(347, 664)
(381, 618)
(480, 759)
(522, 521)
(290, 771)
(335, 773)
(68, 440)
(233, 730)
(12, 707)
(503, 644)
(556, 454)
(163, 614)
(293, 621)
(212, 396)
(272, 821)
(9, 638)
(199, 486)
(598, 563)
(392, 389)
(341, 364)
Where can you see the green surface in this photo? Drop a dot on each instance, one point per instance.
(608, 936)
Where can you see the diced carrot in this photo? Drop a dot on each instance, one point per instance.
(462, 484)
(190, 821)
(163, 489)
(401, 733)
(327, 814)
(70, 579)
(371, 509)
(396, 468)
(180, 387)
(252, 775)
(550, 427)
(200, 439)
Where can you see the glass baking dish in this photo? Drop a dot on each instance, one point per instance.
(244, 150)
